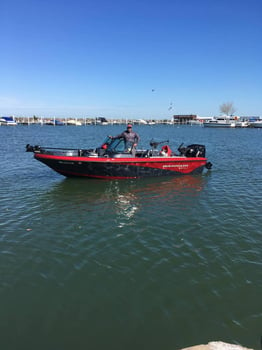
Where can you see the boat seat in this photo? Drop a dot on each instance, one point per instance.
(166, 151)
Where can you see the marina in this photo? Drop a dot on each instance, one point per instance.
(218, 122)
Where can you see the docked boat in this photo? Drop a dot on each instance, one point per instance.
(8, 121)
(220, 122)
(114, 159)
(256, 124)
(242, 124)
(55, 122)
(73, 122)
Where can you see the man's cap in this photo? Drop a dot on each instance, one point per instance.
(129, 125)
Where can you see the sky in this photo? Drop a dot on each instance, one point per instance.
(130, 58)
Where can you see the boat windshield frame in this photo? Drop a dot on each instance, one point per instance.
(115, 145)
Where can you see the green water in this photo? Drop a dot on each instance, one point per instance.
(158, 263)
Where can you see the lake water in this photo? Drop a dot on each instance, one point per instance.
(159, 263)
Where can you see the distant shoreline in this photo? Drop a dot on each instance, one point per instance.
(90, 121)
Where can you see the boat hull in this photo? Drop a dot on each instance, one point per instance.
(124, 168)
(219, 125)
(257, 124)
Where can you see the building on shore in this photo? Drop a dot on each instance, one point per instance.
(184, 118)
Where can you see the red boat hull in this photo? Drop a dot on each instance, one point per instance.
(122, 168)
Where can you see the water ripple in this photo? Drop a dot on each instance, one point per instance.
(161, 260)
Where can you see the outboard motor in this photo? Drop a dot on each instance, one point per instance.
(30, 148)
(192, 150)
(196, 151)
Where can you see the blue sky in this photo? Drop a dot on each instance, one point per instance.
(130, 59)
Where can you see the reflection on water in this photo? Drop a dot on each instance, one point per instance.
(174, 186)
(124, 199)
(97, 190)
(126, 207)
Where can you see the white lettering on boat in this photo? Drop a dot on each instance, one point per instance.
(175, 166)
(64, 162)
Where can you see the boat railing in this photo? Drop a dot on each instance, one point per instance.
(55, 151)
(194, 150)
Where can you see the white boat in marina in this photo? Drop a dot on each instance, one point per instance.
(8, 121)
(242, 124)
(140, 122)
(256, 124)
(73, 122)
(101, 121)
(220, 122)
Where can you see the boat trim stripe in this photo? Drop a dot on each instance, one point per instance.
(121, 160)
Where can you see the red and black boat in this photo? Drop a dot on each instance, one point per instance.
(114, 159)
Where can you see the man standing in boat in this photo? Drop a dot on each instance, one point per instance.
(131, 138)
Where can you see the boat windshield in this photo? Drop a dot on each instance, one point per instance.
(115, 145)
